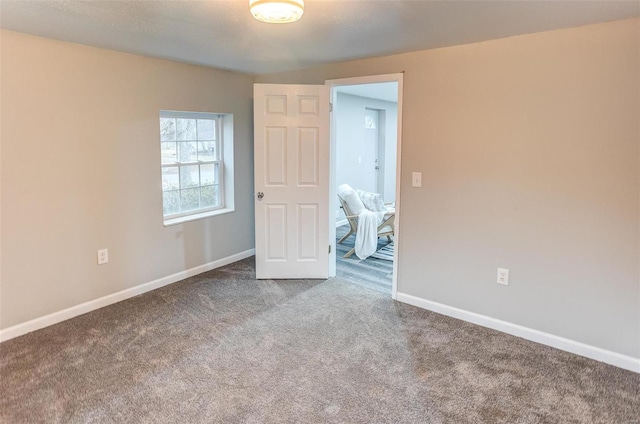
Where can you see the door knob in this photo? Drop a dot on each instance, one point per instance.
(260, 195)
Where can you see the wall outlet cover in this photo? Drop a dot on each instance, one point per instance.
(503, 276)
(103, 256)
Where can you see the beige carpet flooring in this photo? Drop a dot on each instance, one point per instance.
(223, 347)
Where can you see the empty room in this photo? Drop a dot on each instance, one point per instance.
(192, 231)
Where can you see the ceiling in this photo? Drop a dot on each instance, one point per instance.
(222, 33)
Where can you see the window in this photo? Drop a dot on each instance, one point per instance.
(194, 158)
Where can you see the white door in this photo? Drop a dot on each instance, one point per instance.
(371, 165)
(291, 147)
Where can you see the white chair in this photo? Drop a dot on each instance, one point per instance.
(352, 204)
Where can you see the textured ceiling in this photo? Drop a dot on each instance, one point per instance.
(222, 33)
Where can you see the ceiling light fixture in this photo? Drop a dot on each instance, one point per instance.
(277, 11)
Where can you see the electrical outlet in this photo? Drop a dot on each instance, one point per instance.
(503, 276)
(103, 256)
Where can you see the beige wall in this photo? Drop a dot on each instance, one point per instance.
(80, 172)
(529, 148)
(530, 153)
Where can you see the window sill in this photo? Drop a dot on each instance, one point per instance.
(195, 216)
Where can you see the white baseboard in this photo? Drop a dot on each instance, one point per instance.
(619, 360)
(83, 308)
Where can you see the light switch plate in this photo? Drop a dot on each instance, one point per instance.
(416, 179)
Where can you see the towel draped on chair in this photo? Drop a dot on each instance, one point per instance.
(367, 234)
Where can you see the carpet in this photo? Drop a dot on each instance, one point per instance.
(223, 347)
(386, 253)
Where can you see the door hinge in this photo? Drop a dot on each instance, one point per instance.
(330, 107)
(329, 249)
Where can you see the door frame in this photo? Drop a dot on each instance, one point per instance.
(332, 172)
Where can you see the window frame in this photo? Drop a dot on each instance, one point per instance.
(223, 142)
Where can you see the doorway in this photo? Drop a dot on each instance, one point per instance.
(365, 146)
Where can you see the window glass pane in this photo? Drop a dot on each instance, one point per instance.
(207, 150)
(189, 199)
(167, 129)
(206, 129)
(186, 129)
(192, 163)
(189, 176)
(168, 152)
(170, 178)
(209, 173)
(171, 202)
(209, 196)
(187, 151)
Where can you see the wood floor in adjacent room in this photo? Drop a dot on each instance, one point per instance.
(223, 347)
(373, 273)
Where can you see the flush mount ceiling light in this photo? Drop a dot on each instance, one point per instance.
(277, 11)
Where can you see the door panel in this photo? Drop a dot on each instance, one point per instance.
(291, 146)
(276, 232)
(275, 160)
(308, 150)
(307, 232)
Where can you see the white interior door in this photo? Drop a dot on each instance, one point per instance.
(371, 165)
(291, 147)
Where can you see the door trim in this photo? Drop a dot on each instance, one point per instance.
(332, 174)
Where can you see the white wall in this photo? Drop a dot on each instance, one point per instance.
(81, 171)
(530, 152)
(350, 141)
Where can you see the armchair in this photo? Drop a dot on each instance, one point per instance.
(351, 201)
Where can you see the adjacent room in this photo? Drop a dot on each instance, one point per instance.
(179, 180)
(365, 121)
